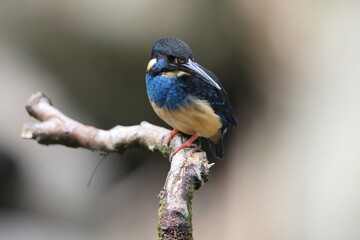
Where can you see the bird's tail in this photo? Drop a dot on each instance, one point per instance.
(217, 149)
(216, 143)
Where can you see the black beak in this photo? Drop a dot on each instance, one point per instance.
(195, 70)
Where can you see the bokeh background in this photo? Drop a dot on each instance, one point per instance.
(291, 69)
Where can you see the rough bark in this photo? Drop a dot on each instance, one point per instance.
(189, 168)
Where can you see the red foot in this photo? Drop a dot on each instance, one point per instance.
(186, 144)
(172, 135)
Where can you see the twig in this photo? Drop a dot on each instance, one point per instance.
(189, 168)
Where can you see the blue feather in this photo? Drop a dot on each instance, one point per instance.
(167, 92)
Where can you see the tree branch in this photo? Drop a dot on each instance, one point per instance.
(189, 168)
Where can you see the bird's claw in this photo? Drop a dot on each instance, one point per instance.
(172, 135)
(180, 148)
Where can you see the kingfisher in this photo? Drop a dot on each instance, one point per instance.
(187, 96)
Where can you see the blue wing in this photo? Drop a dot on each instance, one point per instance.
(217, 98)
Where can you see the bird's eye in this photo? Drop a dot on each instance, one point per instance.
(176, 60)
(181, 61)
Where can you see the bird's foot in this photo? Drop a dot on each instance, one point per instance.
(187, 144)
(172, 135)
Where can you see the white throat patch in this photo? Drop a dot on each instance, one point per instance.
(150, 64)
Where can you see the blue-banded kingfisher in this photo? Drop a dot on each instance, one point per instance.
(187, 96)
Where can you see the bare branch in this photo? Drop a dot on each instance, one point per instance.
(189, 168)
(56, 128)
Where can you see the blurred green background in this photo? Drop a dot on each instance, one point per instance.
(291, 70)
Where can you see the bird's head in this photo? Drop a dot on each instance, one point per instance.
(173, 57)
